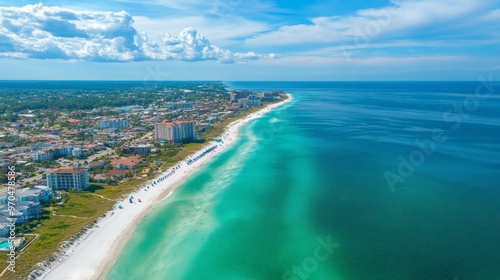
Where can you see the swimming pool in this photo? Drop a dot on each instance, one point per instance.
(4, 244)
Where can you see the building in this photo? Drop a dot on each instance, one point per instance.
(179, 105)
(175, 132)
(68, 178)
(30, 209)
(4, 225)
(253, 100)
(101, 137)
(23, 210)
(39, 194)
(45, 195)
(117, 174)
(63, 151)
(270, 96)
(50, 154)
(236, 95)
(113, 124)
(42, 156)
(250, 101)
(27, 205)
(126, 163)
(76, 152)
(141, 149)
(29, 194)
(7, 215)
(100, 178)
(96, 164)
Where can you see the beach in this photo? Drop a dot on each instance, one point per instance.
(302, 194)
(93, 255)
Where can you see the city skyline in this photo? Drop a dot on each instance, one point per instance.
(249, 40)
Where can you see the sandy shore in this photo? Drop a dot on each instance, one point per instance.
(92, 257)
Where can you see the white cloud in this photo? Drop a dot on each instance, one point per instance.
(219, 30)
(37, 31)
(189, 45)
(400, 20)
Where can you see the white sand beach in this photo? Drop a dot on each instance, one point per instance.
(91, 257)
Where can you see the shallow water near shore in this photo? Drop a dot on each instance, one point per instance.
(303, 193)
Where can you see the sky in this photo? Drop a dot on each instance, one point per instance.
(228, 40)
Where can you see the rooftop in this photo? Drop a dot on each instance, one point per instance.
(66, 170)
(126, 161)
(174, 123)
(117, 172)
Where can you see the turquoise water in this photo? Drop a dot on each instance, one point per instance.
(304, 193)
(5, 245)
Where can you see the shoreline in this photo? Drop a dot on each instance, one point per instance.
(93, 255)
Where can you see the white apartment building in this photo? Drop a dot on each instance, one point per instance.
(76, 152)
(42, 156)
(68, 178)
(113, 124)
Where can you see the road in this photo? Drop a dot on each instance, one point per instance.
(34, 178)
(101, 153)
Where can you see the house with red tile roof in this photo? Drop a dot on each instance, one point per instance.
(117, 174)
(126, 163)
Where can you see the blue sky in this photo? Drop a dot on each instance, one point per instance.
(250, 40)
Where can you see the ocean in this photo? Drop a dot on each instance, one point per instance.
(372, 180)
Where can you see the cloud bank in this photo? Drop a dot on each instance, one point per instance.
(37, 31)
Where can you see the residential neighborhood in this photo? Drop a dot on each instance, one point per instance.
(69, 139)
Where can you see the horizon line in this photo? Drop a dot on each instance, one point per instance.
(223, 81)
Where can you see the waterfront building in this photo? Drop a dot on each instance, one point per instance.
(236, 95)
(117, 174)
(270, 96)
(175, 132)
(68, 178)
(250, 101)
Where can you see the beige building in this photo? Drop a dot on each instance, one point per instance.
(68, 178)
(174, 132)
